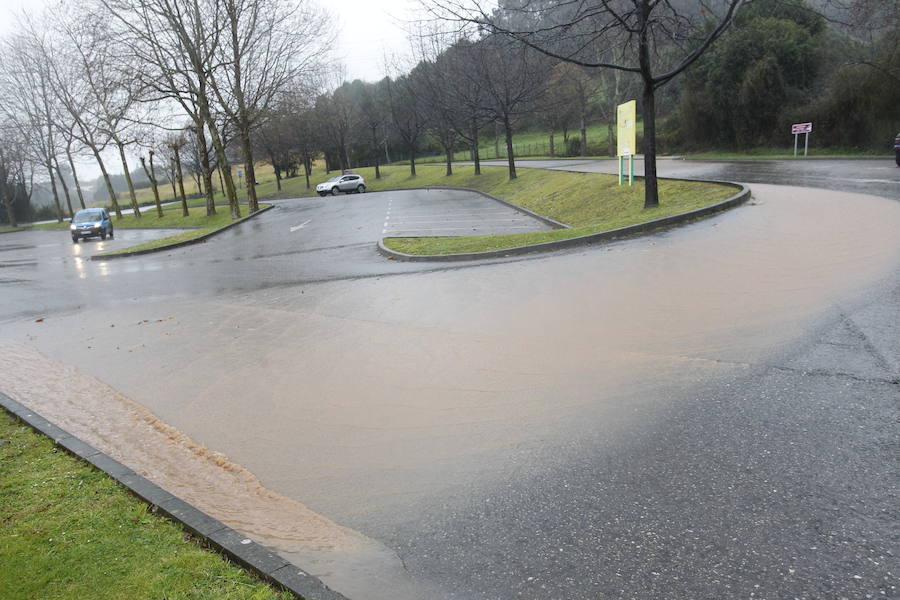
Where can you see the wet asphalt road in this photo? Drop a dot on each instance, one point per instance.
(879, 177)
(301, 241)
(779, 482)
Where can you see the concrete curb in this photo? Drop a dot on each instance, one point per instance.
(195, 240)
(604, 236)
(214, 534)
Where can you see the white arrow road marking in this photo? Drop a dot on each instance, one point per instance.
(300, 226)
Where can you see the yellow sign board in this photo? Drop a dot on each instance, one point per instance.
(626, 119)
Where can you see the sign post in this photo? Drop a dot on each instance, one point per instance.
(626, 143)
(797, 129)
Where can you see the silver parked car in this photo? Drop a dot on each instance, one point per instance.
(347, 183)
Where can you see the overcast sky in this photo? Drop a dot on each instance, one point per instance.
(368, 31)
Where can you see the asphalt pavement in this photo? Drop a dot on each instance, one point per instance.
(710, 412)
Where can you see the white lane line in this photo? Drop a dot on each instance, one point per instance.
(300, 226)
(460, 229)
(437, 215)
(445, 221)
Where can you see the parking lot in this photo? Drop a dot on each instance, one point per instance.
(452, 213)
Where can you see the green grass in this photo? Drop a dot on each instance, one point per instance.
(71, 532)
(11, 229)
(588, 202)
(531, 144)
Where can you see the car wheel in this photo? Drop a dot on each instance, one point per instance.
(360, 189)
(74, 239)
(323, 194)
(334, 191)
(103, 236)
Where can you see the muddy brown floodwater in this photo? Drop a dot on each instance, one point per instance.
(360, 399)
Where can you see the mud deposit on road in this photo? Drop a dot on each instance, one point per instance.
(366, 400)
(97, 414)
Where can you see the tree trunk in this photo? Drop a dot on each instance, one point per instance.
(510, 157)
(59, 212)
(136, 210)
(307, 169)
(205, 169)
(75, 178)
(496, 141)
(155, 188)
(552, 145)
(249, 171)
(448, 150)
(109, 188)
(412, 162)
(277, 173)
(651, 190)
(151, 175)
(375, 146)
(610, 142)
(476, 155)
(583, 136)
(7, 203)
(65, 188)
(180, 177)
(221, 157)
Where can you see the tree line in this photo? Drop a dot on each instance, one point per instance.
(195, 86)
(160, 79)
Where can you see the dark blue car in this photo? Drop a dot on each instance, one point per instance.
(91, 222)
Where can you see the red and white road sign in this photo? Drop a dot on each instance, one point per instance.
(801, 128)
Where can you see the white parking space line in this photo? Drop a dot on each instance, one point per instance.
(445, 221)
(300, 226)
(458, 228)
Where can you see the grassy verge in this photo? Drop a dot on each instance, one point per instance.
(589, 202)
(11, 229)
(207, 226)
(69, 531)
(197, 221)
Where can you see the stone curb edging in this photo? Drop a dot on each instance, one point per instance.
(238, 548)
(189, 242)
(664, 222)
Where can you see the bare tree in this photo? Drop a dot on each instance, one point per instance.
(266, 45)
(514, 80)
(407, 113)
(174, 144)
(177, 46)
(73, 63)
(28, 103)
(580, 32)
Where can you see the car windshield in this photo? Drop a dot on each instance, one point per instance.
(87, 216)
(335, 178)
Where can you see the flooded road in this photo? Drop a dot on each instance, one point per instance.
(371, 409)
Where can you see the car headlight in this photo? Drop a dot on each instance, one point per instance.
(72, 226)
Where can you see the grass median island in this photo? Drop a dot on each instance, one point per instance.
(197, 224)
(69, 532)
(588, 202)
